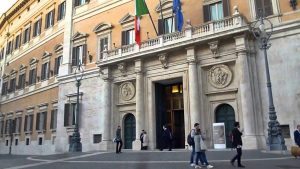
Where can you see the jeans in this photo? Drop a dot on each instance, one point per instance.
(192, 154)
(238, 156)
(119, 146)
(202, 157)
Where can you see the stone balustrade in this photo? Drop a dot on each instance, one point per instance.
(188, 34)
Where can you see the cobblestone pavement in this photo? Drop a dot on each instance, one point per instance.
(178, 159)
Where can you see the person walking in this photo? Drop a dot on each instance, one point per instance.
(166, 139)
(145, 141)
(141, 138)
(297, 135)
(118, 140)
(200, 149)
(192, 143)
(237, 143)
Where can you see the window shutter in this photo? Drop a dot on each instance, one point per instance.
(123, 38)
(53, 16)
(48, 74)
(31, 122)
(45, 121)
(66, 115)
(29, 33)
(226, 10)
(206, 13)
(12, 46)
(25, 123)
(52, 119)
(74, 56)
(76, 2)
(59, 11)
(55, 66)
(84, 50)
(268, 8)
(160, 26)
(37, 127)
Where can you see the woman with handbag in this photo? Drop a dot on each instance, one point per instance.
(200, 149)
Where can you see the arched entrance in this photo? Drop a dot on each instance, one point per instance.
(225, 114)
(129, 131)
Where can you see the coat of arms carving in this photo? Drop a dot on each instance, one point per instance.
(219, 76)
(127, 91)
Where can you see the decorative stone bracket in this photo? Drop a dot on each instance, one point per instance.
(164, 60)
(122, 68)
(214, 48)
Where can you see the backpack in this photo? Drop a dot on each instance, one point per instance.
(190, 140)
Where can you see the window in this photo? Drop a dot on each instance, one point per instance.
(79, 53)
(18, 41)
(69, 117)
(8, 126)
(4, 88)
(80, 2)
(18, 123)
(26, 37)
(45, 71)
(61, 11)
(12, 83)
(41, 120)
(27, 141)
(9, 47)
(265, 6)
(40, 141)
(53, 119)
(216, 11)
(6, 143)
(166, 26)
(28, 123)
(2, 53)
(16, 142)
(49, 19)
(103, 44)
(37, 28)
(32, 76)
(128, 37)
(57, 64)
(21, 83)
(97, 138)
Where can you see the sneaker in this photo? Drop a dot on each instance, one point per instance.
(192, 165)
(209, 166)
(197, 166)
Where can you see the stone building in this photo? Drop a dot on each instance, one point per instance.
(211, 71)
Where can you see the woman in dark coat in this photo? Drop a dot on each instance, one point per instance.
(237, 143)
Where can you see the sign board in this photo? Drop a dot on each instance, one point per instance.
(219, 136)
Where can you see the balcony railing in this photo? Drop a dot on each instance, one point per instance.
(189, 33)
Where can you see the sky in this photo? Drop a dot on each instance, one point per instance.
(5, 5)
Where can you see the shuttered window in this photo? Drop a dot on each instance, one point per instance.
(49, 19)
(79, 55)
(18, 41)
(37, 28)
(53, 123)
(80, 2)
(57, 64)
(4, 88)
(26, 37)
(18, 122)
(69, 114)
(216, 11)
(103, 44)
(41, 121)
(61, 11)
(28, 123)
(12, 84)
(21, 83)
(128, 37)
(9, 47)
(264, 6)
(32, 76)
(1, 128)
(45, 71)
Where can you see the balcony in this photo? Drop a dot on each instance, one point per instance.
(190, 35)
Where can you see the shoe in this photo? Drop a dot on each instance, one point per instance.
(192, 165)
(197, 166)
(209, 166)
(232, 163)
(241, 166)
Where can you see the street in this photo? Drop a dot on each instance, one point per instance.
(177, 159)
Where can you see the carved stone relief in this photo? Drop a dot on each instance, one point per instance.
(219, 76)
(163, 59)
(127, 91)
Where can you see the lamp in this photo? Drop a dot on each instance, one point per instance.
(275, 141)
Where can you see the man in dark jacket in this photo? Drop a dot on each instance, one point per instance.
(297, 135)
(237, 143)
(166, 139)
(141, 138)
(118, 140)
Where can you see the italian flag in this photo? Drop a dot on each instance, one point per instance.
(140, 9)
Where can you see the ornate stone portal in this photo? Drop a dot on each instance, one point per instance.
(127, 91)
(219, 76)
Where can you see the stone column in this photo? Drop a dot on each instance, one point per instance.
(106, 143)
(246, 94)
(65, 69)
(194, 98)
(140, 111)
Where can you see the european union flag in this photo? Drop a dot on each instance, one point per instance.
(178, 14)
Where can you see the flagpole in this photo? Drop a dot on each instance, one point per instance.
(151, 18)
(162, 17)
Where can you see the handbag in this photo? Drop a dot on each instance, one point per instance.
(202, 144)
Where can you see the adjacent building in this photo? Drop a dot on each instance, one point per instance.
(212, 71)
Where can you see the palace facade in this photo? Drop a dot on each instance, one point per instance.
(212, 71)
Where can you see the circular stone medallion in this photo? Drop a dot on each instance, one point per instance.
(219, 76)
(127, 91)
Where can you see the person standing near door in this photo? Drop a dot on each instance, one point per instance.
(141, 138)
(145, 141)
(166, 138)
(118, 140)
(237, 143)
(192, 143)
